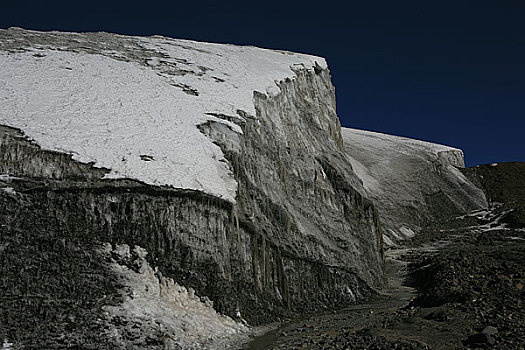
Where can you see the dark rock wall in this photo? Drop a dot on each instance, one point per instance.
(503, 183)
(53, 281)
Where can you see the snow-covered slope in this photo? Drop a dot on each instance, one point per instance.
(410, 181)
(160, 308)
(132, 105)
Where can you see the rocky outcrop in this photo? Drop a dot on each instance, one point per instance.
(412, 182)
(298, 236)
(503, 183)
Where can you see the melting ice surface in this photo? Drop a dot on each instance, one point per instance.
(136, 114)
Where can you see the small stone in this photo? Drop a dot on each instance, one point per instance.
(490, 330)
(480, 339)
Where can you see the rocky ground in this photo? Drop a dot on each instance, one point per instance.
(469, 273)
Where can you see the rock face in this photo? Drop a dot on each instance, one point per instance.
(503, 183)
(251, 200)
(412, 182)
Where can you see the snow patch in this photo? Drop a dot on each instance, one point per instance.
(157, 305)
(6, 345)
(9, 190)
(7, 177)
(407, 232)
(387, 241)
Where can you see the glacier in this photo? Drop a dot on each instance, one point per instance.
(225, 163)
(131, 105)
(412, 182)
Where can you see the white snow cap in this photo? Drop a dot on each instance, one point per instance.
(138, 117)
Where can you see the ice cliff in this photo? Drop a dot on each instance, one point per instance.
(225, 164)
(131, 104)
(411, 182)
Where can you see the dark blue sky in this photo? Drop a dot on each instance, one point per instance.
(447, 72)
